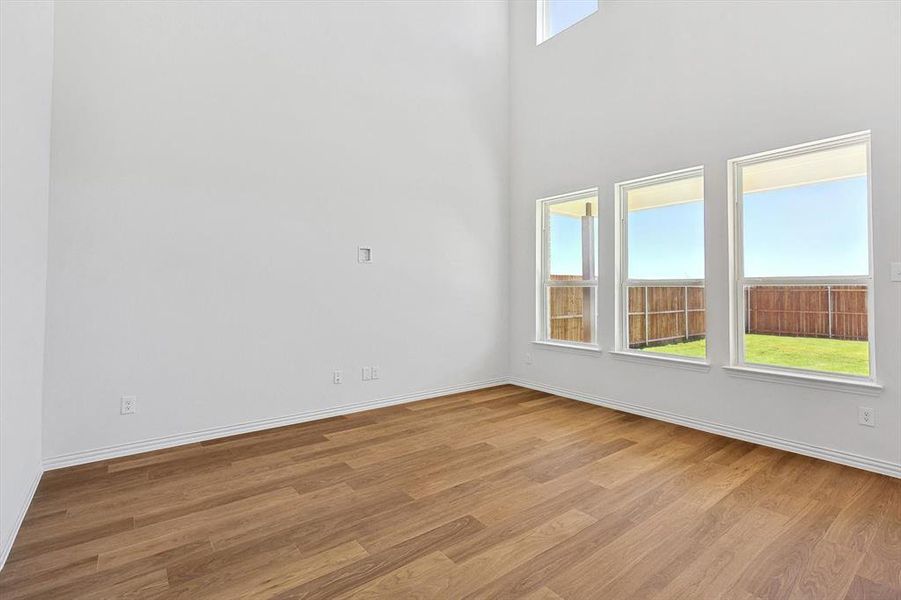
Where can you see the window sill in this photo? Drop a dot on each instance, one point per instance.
(664, 361)
(821, 382)
(577, 348)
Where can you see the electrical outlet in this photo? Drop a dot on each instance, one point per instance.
(528, 358)
(337, 377)
(367, 373)
(128, 405)
(375, 372)
(896, 271)
(866, 416)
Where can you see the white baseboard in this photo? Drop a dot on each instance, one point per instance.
(169, 441)
(23, 509)
(845, 458)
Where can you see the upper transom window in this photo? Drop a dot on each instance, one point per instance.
(556, 15)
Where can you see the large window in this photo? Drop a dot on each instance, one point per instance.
(568, 276)
(556, 15)
(803, 280)
(661, 267)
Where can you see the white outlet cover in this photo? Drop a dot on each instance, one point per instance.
(866, 416)
(375, 372)
(128, 405)
(364, 255)
(367, 373)
(337, 377)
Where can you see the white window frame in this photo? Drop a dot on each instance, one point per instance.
(737, 307)
(543, 271)
(543, 21)
(623, 282)
(542, 24)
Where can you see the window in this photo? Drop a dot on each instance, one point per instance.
(556, 15)
(802, 298)
(568, 276)
(661, 300)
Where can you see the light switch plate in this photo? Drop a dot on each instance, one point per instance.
(364, 255)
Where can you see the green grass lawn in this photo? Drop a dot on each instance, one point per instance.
(694, 349)
(838, 356)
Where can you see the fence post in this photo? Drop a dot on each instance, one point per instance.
(748, 307)
(829, 309)
(647, 334)
(685, 289)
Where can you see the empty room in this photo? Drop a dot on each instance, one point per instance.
(450, 299)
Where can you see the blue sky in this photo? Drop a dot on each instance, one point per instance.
(566, 245)
(818, 229)
(564, 13)
(667, 242)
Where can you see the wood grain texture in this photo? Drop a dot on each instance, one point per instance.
(496, 493)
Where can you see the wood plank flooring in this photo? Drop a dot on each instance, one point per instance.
(499, 493)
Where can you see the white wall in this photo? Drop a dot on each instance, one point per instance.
(642, 88)
(215, 166)
(26, 54)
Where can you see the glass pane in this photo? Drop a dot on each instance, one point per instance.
(666, 230)
(806, 215)
(667, 319)
(572, 239)
(816, 327)
(571, 314)
(566, 13)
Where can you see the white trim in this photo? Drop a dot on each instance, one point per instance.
(738, 281)
(590, 348)
(811, 280)
(664, 282)
(589, 283)
(179, 439)
(667, 177)
(23, 510)
(541, 22)
(666, 360)
(810, 379)
(837, 456)
(825, 144)
(589, 192)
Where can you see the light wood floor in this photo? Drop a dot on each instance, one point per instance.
(500, 493)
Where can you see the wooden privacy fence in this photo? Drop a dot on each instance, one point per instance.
(667, 314)
(829, 311)
(657, 314)
(566, 312)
